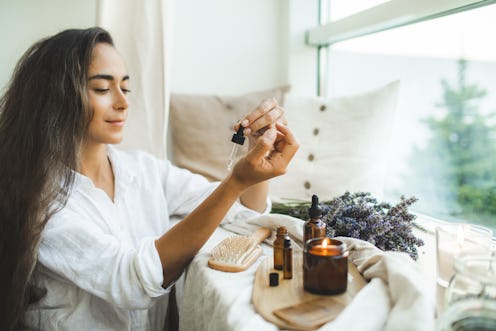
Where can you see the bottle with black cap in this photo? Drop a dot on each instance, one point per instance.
(314, 227)
(287, 262)
(282, 233)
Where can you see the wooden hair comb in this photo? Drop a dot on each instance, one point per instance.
(237, 253)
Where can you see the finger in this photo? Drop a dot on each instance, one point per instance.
(269, 118)
(279, 143)
(264, 145)
(236, 126)
(264, 107)
(291, 145)
(283, 120)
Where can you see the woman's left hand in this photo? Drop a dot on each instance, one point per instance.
(261, 118)
(269, 157)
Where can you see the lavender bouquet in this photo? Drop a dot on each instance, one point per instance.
(360, 215)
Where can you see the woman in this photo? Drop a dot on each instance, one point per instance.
(85, 228)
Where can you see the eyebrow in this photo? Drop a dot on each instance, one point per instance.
(107, 77)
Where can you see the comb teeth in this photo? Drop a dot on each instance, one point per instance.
(233, 250)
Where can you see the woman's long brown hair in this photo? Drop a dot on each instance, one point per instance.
(44, 114)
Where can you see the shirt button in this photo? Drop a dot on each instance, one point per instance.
(310, 157)
(323, 107)
(307, 185)
(315, 131)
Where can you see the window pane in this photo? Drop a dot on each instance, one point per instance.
(444, 146)
(341, 8)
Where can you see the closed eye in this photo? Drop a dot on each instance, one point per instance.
(101, 90)
(125, 91)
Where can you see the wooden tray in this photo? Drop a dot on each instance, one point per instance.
(290, 292)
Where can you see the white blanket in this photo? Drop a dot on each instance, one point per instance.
(395, 299)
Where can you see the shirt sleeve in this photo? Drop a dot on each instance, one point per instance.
(100, 263)
(185, 191)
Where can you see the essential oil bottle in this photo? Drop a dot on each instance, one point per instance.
(282, 233)
(287, 268)
(314, 227)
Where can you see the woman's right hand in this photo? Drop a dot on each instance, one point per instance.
(269, 157)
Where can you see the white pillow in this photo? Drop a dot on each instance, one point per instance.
(344, 145)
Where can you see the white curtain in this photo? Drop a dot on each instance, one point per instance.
(141, 31)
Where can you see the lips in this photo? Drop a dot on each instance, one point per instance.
(116, 122)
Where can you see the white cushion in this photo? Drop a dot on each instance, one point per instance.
(344, 145)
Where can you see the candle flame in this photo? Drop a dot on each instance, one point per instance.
(459, 237)
(324, 243)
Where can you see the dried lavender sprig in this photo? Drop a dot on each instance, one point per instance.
(360, 215)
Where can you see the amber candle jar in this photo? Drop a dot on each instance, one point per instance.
(325, 266)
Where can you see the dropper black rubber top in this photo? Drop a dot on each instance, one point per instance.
(238, 137)
(315, 211)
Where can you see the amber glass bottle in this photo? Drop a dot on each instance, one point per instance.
(314, 227)
(282, 233)
(287, 268)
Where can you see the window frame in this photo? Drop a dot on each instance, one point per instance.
(385, 16)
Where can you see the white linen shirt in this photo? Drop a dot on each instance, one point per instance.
(97, 257)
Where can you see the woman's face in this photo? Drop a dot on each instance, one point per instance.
(107, 88)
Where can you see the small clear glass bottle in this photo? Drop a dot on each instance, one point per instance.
(471, 296)
(282, 233)
(314, 227)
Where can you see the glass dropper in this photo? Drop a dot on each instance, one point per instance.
(238, 139)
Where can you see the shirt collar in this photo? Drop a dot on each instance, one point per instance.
(122, 174)
(121, 171)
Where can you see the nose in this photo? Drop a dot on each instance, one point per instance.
(121, 102)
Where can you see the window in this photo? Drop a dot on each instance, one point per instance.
(444, 146)
(344, 8)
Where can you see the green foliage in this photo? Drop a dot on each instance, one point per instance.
(460, 155)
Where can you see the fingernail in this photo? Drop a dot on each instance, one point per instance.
(271, 133)
(244, 123)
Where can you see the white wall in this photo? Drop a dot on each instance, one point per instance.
(228, 47)
(234, 47)
(218, 46)
(23, 22)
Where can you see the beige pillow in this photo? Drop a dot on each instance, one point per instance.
(344, 145)
(201, 128)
